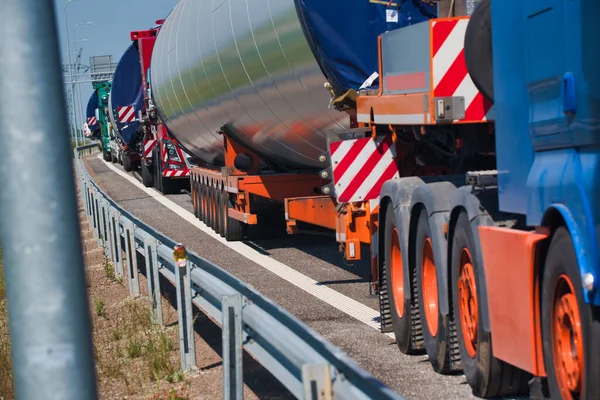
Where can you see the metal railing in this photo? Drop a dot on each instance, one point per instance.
(304, 362)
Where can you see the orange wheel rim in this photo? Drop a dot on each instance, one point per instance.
(567, 339)
(467, 302)
(429, 288)
(397, 274)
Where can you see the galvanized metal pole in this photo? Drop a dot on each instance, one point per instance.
(77, 102)
(82, 106)
(73, 116)
(49, 321)
(84, 116)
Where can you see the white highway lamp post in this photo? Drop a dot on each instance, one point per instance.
(71, 100)
(73, 117)
(76, 102)
(72, 105)
(80, 106)
(78, 115)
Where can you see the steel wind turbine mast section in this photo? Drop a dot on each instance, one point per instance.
(264, 73)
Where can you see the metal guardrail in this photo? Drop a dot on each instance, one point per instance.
(305, 363)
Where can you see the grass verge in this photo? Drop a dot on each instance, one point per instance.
(134, 357)
(6, 383)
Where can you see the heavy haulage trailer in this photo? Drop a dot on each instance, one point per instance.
(142, 139)
(463, 151)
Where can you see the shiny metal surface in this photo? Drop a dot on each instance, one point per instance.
(244, 64)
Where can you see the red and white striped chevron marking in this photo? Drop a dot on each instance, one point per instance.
(361, 167)
(165, 153)
(450, 74)
(91, 121)
(148, 147)
(173, 173)
(126, 114)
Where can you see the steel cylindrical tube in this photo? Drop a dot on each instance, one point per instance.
(49, 320)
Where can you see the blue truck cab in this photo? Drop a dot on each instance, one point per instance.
(546, 78)
(546, 62)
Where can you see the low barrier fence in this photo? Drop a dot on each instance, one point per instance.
(305, 363)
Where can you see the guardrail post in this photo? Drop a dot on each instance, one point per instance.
(83, 189)
(132, 268)
(184, 308)
(233, 384)
(152, 276)
(98, 224)
(120, 264)
(116, 242)
(86, 197)
(93, 215)
(99, 211)
(316, 379)
(111, 235)
(105, 229)
(97, 217)
(108, 239)
(89, 202)
(102, 224)
(98, 220)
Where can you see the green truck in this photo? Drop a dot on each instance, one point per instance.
(98, 127)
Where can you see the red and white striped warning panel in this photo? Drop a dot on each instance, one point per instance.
(361, 167)
(148, 147)
(173, 173)
(86, 130)
(126, 114)
(91, 121)
(450, 75)
(165, 153)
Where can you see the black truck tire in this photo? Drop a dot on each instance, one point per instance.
(478, 49)
(233, 230)
(488, 376)
(127, 165)
(436, 326)
(571, 360)
(404, 313)
(147, 177)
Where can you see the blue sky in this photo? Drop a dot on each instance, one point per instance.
(109, 33)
